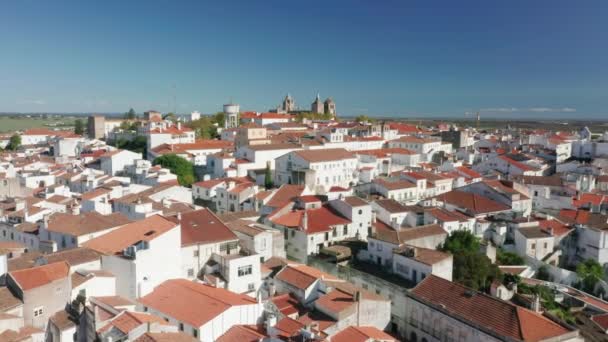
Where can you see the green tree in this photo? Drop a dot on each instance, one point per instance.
(170, 116)
(14, 143)
(461, 241)
(219, 118)
(589, 272)
(130, 115)
(509, 258)
(182, 168)
(268, 177)
(204, 127)
(543, 273)
(471, 268)
(364, 118)
(79, 127)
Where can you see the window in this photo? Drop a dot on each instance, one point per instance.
(251, 287)
(360, 211)
(379, 247)
(181, 327)
(401, 268)
(38, 311)
(244, 270)
(533, 246)
(195, 253)
(195, 332)
(345, 230)
(190, 272)
(545, 245)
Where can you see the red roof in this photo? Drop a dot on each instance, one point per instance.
(324, 155)
(34, 277)
(301, 276)
(170, 130)
(362, 334)
(287, 304)
(209, 144)
(318, 220)
(202, 226)
(559, 229)
(577, 216)
(465, 171)
(477, 204)
(588, 198)
(517, 164)
(193, 303)
(243, 333)
(601, 320)
(274, 116)
(485, 312)
(284, 195)
(288, 327)
(126, 321)
(117, 240)
(404, 128)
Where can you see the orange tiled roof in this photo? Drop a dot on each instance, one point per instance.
(144, 230)
(362, 334)
(203, 226)
(193, 303)
(34, 277)
(485, 312)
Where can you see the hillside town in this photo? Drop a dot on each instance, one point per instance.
(301, 225)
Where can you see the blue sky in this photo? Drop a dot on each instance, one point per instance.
(401, 58)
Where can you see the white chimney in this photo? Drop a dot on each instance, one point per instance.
(305, 220)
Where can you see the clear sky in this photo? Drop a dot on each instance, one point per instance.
(376, 57)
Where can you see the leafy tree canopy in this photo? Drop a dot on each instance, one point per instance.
(79, 126)
(364, 118)
(181, 167)
(14, 142)
(130, 115)
(509, 258)
(471, 268)
(590, 272)
(461, 241)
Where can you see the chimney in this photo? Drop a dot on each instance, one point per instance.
(536, 307)
(305, 220)
(179, 125)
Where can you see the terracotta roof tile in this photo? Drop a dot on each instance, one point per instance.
(324, 155)
(117, 240)
(487, 313)
(203, 226)
(193, 303)
(167, 337)
(475, 203)
(285, 194)
(301, 276)
(362, 334)
(243, 333)
(34, 277)
(84, 223)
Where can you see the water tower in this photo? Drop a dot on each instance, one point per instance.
(232, 115)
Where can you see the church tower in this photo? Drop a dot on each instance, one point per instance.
(317, 105)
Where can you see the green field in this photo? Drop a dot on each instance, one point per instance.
(12, 124)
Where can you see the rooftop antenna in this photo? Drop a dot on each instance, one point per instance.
(478, 119)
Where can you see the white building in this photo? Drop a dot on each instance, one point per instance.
(317, 169)
(200, 310)
(138, 254)
(116, 161)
